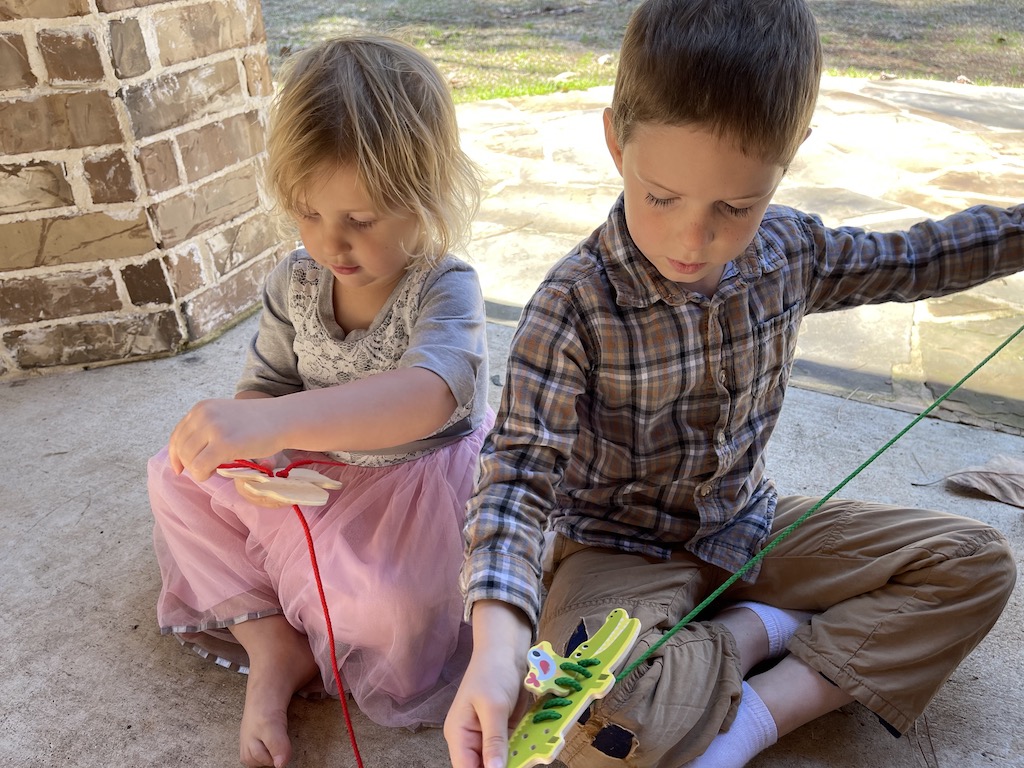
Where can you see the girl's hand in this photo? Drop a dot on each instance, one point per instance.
(491, 696)
(216, 432)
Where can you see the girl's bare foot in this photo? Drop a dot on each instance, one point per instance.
(280, 662)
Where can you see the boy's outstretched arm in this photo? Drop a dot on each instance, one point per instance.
(491, 697)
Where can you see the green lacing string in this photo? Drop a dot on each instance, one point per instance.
(581, 668)
(547, 710)
(548, 714)
(568, 682)
(789, 529)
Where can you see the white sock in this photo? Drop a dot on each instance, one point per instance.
(752, 731)
(779, 623)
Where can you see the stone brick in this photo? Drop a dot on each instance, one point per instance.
(33, 186)
(172, 100)
(186, 271)
(91, 119)
(110, 178)
(56, 295)
(15, 70)
(258, 79)
(234, 246)
(158, 166)
(95, 341)
(70, 56)
(42, 9)
(216, 307)
(203, 207)
(218, 145)
(128, 48)
(109, 6)
(18, 238)
(197, 31)
(58, 121)
(254, 17)
(76, 239)
(147, 283)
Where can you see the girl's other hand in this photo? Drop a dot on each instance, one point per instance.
(216, 432)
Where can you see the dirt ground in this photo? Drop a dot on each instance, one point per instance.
(938, 39)
(480, 42)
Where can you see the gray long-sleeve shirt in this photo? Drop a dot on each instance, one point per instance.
(434, 319)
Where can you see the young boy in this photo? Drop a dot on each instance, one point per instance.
(644, 381)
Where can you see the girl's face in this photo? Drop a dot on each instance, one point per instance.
(693, 200)
(364, 248)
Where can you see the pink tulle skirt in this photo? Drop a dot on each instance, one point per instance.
(389, 548)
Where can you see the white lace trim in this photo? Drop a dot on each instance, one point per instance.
(326, 356)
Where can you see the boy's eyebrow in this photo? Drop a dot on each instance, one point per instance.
(652, 183)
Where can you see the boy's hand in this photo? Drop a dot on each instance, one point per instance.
(491, 697)
(215, 432)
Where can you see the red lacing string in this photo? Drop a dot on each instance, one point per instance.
(246, 463)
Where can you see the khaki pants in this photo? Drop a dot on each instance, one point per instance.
(901, 597)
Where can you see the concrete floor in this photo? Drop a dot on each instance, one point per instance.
(85, 678)
(88, 681)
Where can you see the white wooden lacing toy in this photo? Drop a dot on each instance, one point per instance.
(301, 485)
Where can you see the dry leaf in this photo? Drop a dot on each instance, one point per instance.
(1002, 478)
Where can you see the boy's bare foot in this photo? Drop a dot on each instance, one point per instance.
(280, 663)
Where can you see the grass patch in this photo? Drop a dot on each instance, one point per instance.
(503, 48)
(486, 49)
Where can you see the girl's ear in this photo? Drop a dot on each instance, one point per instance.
(613, 143)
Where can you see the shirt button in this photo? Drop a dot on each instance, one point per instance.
(705, 490)
(720, 438)
(721, 376)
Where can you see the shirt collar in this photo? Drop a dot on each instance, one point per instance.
(638, 283)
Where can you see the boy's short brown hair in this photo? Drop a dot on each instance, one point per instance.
(748, 70)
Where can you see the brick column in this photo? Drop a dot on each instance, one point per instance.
(132, 219)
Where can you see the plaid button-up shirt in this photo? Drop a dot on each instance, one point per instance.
(635, 413)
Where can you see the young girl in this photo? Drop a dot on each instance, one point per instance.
(370, 352)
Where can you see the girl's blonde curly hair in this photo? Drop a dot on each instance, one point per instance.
(381, 107)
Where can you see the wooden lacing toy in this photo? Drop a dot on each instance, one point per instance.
(566, 686)
(296, 484)
(291, 485)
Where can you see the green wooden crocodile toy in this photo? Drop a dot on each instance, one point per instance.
(566, 686)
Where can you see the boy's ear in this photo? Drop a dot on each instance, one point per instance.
(613, 143)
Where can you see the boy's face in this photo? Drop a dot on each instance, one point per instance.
(693, 201)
